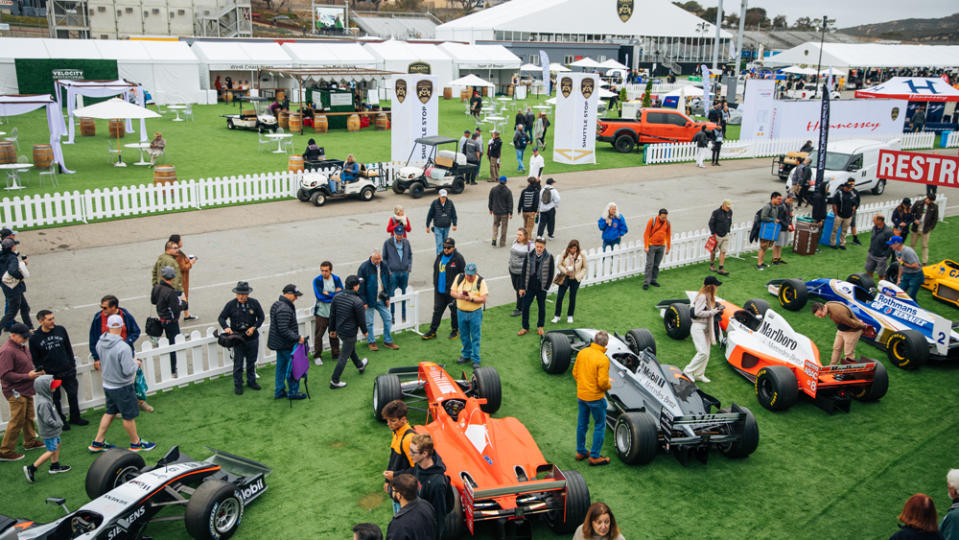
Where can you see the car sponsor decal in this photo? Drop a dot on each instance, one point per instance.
(894, 308)
(654, 383)
(777, 337)
(252, 491)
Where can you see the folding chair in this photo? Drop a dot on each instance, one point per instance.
(14, 138)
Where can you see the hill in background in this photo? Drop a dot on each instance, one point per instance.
(933, 31)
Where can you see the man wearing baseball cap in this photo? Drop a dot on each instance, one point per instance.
(470, 292)
(910, 271)
(283, 337)
(442, 217)
(16, 380)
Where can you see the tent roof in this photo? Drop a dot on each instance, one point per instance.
(394, 50)
(238, 55)
(169, 51)
(912, 89)
(650, 18)
(329, 54)
(120, 50)
(862, 55)
(13, 47)
(469, 80)
(73, 48)
(481, 56)
(586, 62)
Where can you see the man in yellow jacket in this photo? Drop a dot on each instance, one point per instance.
(591, 372)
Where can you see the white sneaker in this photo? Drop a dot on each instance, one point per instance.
(703, 379)
(554, 320)
(318, 361)
(569, 319)
(255, 374)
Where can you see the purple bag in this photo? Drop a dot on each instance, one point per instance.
(300, 363)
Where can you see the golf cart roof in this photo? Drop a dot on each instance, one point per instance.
(248, 98)
(434, 140)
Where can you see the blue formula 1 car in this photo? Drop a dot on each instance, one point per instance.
(910, 334)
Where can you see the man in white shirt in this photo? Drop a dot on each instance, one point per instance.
(536, 164)
(548, 201)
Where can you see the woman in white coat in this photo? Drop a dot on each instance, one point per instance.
(703, 310)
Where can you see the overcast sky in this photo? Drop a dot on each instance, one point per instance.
(847, 12)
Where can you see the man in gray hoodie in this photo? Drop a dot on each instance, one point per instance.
(119, 369)
(49, 427)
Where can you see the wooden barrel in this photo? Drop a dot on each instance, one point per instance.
(353, 122)
(485, 91)
(8, 152)
(283, 120)
(382, 122)
(117, 128)
(509, 91)
(228, 97)
(447, 93)
(465, 94)
(295, 163)
(88, 128)
(164, 174)
(320, 123)
(296, 122)
(42, 156)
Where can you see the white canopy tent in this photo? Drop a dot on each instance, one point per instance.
(612, 64)
(238, 58)
(493, 62)
(127, 89)
(587, 63)
(320, 54)
(469, 80)
(797, 70)
(912, 89)
(22, 104)
(558, 68)
(862, 55)
(686, 91)
(167, 69)
(530, 67)
(395, 55)
(12, 48)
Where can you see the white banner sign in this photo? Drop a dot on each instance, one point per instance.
(415, 114)
(577, 96)
(758, 101)
(800, 119)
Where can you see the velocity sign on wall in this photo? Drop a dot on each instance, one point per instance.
(415, 114)
(935, 169)
(577, 95)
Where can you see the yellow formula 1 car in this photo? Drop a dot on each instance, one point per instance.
(942, 278)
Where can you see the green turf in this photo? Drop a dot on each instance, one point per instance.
(813, 475)
(205, 148)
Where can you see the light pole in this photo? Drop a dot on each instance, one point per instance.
(719, 23)
(700, 32)
(822, 37)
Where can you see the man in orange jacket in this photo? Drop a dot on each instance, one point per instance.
(656, 241)
(591, 372)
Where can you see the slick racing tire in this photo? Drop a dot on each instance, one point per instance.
(863, 280)
(112, 468)
(386, 388)
(793, 294)
(640, 339)
(677, 321)
(756, 306)
(555, 353)
(907, 349)
(749, 440)
(458, 185)
(367, 193)
(455, 523)
(636, 437)
(776, 388)
(303, 195)
(215, 511)
(485, 382)
(878, 388)
(318, 198)
(417, 189)
(577, 504)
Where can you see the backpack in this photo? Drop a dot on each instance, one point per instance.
(547, 195)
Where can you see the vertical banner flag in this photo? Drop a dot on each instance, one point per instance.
(577, 97)
(544, 61)
(415, 113)
(823, 138)
(707, 91)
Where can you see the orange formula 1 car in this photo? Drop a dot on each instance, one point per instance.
(497, 471)
(781, 362)
(942, 278)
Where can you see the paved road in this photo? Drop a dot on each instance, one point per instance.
(272, 244)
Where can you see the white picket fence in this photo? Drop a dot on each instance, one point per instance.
(952, 141)
(75, 207)
(679, 152)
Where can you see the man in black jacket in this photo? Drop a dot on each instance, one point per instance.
(528, 204)
(501, 208)
(877, 259)
(346, 317)
(537, 275)
(701, 138)
(245, 318)
(493, 152)
(446, 267)
(284, 335)
(442, 217)
(429, 470)
(15, 294)
(415, 519)
(844, 204)
(819, 211)
(167, 301)
(473, 151)
(720, 222)
(52, 353)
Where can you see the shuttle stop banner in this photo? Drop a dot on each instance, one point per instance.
(577, 97)
(415, 114)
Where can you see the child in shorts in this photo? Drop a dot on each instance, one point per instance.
(49, 427)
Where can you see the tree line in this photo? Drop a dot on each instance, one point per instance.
(756, 18)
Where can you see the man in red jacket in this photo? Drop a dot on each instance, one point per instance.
(16, 381)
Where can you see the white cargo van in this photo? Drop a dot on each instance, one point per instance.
(853, 159)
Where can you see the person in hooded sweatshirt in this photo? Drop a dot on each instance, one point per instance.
(49, 427)
(119, 371)
(429, 470)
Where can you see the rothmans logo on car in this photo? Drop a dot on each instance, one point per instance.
(778, 336)
(566, 86)
(624, 8)
(400, 90)
(587, 87)
(424, 91)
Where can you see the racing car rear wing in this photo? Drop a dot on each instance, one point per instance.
(532, 497)
(703, 426)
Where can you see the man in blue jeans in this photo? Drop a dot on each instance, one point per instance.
(440, 219)
(283, 337)
(520, 140)
(591, 372)
(398, 258)
(373, 274)
(470, 291)
(910, 271)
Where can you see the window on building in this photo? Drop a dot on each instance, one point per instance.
(156, 11)
(102, 9)
(129, 10)
(532, 59)
(181, 12)
(569, 59)
(601, 58)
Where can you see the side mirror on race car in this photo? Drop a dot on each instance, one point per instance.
(58, 501)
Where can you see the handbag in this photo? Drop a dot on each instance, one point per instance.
(711, 243)
(140, 385)
(560, 278)
(154, 328)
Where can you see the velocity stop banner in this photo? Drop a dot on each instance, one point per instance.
(933, 169)
(577, 96)
(415, 114)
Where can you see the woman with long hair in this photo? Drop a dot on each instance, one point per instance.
(572, 266)
(598, 525)
(703, 310)
(919, 520)
(613, 226)
(517, 254)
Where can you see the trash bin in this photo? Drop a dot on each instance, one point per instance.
(806, 237)
(945, 138)
(826, 229)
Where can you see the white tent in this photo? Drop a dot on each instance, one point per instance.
(469, 80)
(862, 55)
(394, 55)
(587, 63)
(686, 91)
(912, 89)
(322, 54)
(480, 57)
(167, 69)
(530, 67)
(558, 68)
(612, 64)
(22, 104)
(238, 59)
(797, 70)
(116, 108)
(12, 48)
(97, 89)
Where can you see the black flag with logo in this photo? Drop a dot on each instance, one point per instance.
(823, 139)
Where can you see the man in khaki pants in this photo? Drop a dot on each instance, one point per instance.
(16, 379)
(848, 329)
(925, 214)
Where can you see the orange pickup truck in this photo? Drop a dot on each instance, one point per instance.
(651, 126)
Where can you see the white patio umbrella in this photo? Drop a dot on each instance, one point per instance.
(530, 67)
(796, 70)
(470, 80)
(612, 64)
(586, 63)
(558, 68)
(115, 108)
(686, 91)
(604, 93)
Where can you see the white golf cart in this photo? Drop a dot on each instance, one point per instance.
(258, 118)
(444, 169)
(315, 184)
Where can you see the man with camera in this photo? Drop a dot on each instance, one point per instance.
(13, 268)
(245, 317)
